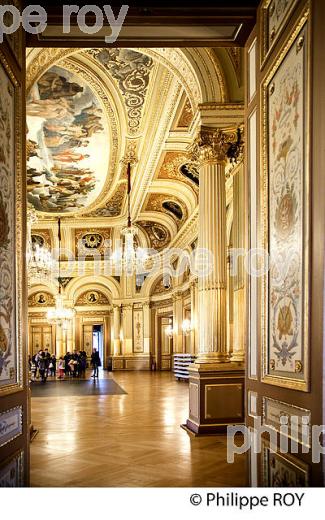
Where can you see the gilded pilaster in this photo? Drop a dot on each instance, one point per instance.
(117, 329)
(146, 328)
(177, 322)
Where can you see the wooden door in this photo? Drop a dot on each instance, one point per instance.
(41, 338)
(14, 402)
(87, 338)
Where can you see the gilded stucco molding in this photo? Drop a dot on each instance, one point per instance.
(159, 123)
(212, 145)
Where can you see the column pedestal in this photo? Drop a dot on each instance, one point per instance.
(216, 393)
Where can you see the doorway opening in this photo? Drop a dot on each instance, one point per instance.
(98, 342)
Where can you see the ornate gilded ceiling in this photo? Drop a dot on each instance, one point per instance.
(91, 111)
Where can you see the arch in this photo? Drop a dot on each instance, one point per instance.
(149, 284)
(106, 284)
(183, 192)
(49, 287)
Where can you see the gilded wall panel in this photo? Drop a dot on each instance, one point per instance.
(12, 471)
(275, 14)
(286, 209)
(138, 330)
(297, 420)
(279, 470)
(10, 231)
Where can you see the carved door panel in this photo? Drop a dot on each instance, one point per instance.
(88, 339)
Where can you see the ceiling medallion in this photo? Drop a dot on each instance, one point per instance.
(158, 235)
(168, 205)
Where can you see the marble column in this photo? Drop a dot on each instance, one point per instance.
(117, 329)
(59, 339)
(216, 385)
(177, 322)
(193, 316)
(69, 337)
(212, 237)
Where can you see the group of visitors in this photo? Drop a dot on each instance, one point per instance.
(43, 364)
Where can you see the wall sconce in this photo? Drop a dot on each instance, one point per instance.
(186, 327)
(169, 330)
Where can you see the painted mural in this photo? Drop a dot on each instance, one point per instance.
(67, 141)
(8, 339)
(287, 294)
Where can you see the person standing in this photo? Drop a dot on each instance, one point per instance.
(61, 367)
(95, 362)
(48, 360)
(34, 368)
(83, 364)
(52, 365)
(43, 367)
(67, 358)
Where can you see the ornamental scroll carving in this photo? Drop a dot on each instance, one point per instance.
(131, 70)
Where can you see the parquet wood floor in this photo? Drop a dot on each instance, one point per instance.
(131, 440)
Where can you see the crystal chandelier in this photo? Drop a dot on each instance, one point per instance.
(39, 258)
(130, 258)
(40, 262)
(60, 315)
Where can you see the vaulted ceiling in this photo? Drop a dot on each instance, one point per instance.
(91, 111)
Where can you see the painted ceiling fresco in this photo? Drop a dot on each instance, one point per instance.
(67, 135)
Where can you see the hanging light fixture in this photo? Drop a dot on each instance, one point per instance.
(130, 257)
(39, 258)
(60, 315)
(40, 263)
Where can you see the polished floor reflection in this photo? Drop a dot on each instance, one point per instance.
(127, 440)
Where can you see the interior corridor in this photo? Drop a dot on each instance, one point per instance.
(130, 440)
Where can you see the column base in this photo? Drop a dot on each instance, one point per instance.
(238, 356)
(216, 395)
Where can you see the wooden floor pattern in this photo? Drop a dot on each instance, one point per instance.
(131, 440)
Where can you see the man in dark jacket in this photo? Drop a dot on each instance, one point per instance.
(95, 362)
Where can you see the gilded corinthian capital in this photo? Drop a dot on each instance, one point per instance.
(213, 145)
